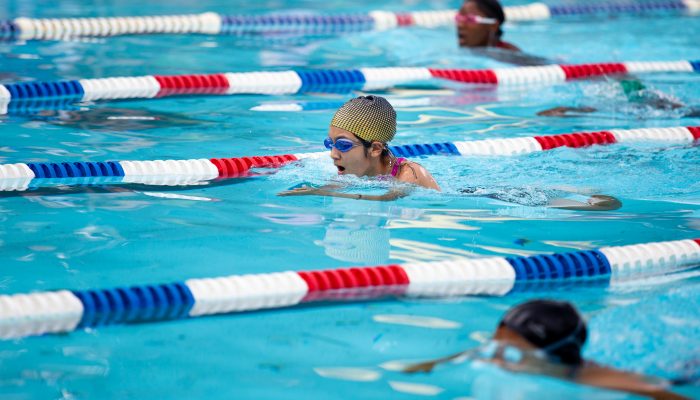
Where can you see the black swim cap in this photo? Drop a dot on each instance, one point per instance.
(553, 326)
(492, 9)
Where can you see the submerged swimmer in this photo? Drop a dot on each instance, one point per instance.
(546, 337)
(637, 94)
(357, 138)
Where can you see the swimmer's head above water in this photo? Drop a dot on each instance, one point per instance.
(553, 327)
(365, 122)
(479, 24)
(546, 337)
(358, 139)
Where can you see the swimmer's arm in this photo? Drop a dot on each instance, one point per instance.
(309, 191)
(428, 366)
(634, 90)
(609, 378)
(563, 110)
(596, 202)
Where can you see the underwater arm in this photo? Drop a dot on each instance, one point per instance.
(322, 191)
(427, 366)
(562, 111)
(633, 89)
(596, 202)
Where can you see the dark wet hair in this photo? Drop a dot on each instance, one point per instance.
(552, 326)
(492, 9)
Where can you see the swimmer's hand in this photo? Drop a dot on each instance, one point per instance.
(428, 366)
(421, 367)
(596, 202)
(306, 190)
(562, 111)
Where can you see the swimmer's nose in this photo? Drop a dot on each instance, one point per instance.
(335, 153)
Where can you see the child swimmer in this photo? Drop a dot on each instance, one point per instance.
(546, 337)
(358, 139)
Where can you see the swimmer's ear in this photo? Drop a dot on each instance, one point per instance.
(376, 149)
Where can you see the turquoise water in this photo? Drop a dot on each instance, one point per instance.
(91, 238)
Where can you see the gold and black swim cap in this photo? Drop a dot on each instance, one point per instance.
(371, 118)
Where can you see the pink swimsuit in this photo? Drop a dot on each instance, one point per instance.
(397, 166)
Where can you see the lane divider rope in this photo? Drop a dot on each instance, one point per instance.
(310, 24)
(19, 176)
(67, 310)
(24, 95)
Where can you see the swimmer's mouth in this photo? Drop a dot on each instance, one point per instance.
(341, 169)
(462, 38)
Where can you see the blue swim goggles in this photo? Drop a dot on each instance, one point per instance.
(343, 145)
(507, 353)
(496, 350)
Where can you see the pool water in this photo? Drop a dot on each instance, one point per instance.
(89, 237)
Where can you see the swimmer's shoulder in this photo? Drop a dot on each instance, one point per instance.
(610, 378)
(412, 172)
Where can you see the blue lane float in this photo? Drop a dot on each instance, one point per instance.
(331, 81)
(8, 30)
(134, 304)
(58, 89)
(76, 169)
(417, 150)
(582, 264)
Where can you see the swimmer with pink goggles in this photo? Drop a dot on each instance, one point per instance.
(474, 19)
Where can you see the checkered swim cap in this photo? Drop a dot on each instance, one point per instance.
(371, 118)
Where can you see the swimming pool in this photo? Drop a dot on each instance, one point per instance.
(90, 239)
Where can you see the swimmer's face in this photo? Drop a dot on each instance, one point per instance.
(510, 337)
(474, 34)
(356, 161)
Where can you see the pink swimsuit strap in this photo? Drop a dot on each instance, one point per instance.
(397, 165)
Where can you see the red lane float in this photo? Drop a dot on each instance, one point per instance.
(237, 166)
(192, 84)
(368, 281)
(467, 76)
(577, 139)
(695, 131)
(597, 69)
(404, 20)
